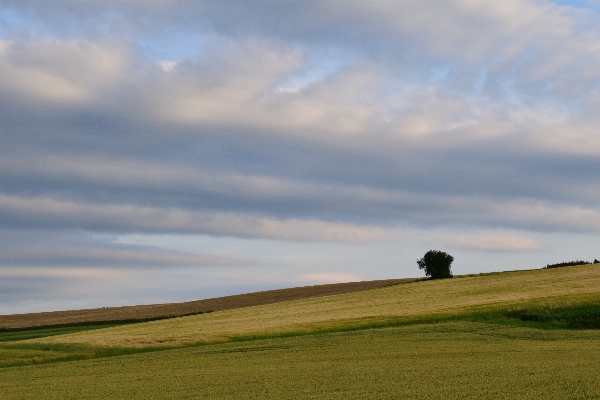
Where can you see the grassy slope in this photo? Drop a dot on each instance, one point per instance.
(394, 305)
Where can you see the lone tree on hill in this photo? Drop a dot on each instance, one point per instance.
(436, 264)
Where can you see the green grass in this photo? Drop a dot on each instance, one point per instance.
(583, 316)
(525, 334)
(462, 360)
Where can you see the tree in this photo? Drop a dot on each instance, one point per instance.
(436, 264)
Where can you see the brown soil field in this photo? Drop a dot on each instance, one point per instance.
(190, 307)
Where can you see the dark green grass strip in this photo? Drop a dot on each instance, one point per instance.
(11, 335)
(585, 316)
(14, 334)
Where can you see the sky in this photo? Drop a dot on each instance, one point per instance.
(162, 151)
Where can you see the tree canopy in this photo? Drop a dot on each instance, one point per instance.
(436, 264)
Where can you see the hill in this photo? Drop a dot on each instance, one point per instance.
(159, 311)
(461, 297)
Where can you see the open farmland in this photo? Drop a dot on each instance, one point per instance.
(458, 360)
(158, 311)
(456, 338)
(419, 301)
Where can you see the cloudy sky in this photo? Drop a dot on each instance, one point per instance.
(171, 150)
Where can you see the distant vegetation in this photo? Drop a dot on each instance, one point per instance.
(571, 263)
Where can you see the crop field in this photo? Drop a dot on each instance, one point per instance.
(509, 335)
(111, 315)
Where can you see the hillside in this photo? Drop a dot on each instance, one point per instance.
(155, 311)
(465, 296)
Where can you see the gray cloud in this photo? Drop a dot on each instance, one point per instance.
(114, 257)
(70, 249)
(49, 213)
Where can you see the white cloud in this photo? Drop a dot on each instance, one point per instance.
(241, 88)
(328, 277)
(64, 71)
(540, 214)
(4, 45)
(225, 84)
(167, 66)
(496, 241)
(574, 137)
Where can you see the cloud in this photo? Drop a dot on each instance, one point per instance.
(61, 273)
(542, 39)
(328, 277)
(132, 195)
(497, 241)
(59, 71)
(112, 256)
(51, 213)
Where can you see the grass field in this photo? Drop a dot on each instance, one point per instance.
(487, 336)
(462, 360)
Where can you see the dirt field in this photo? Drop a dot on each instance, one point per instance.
(190, 307)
